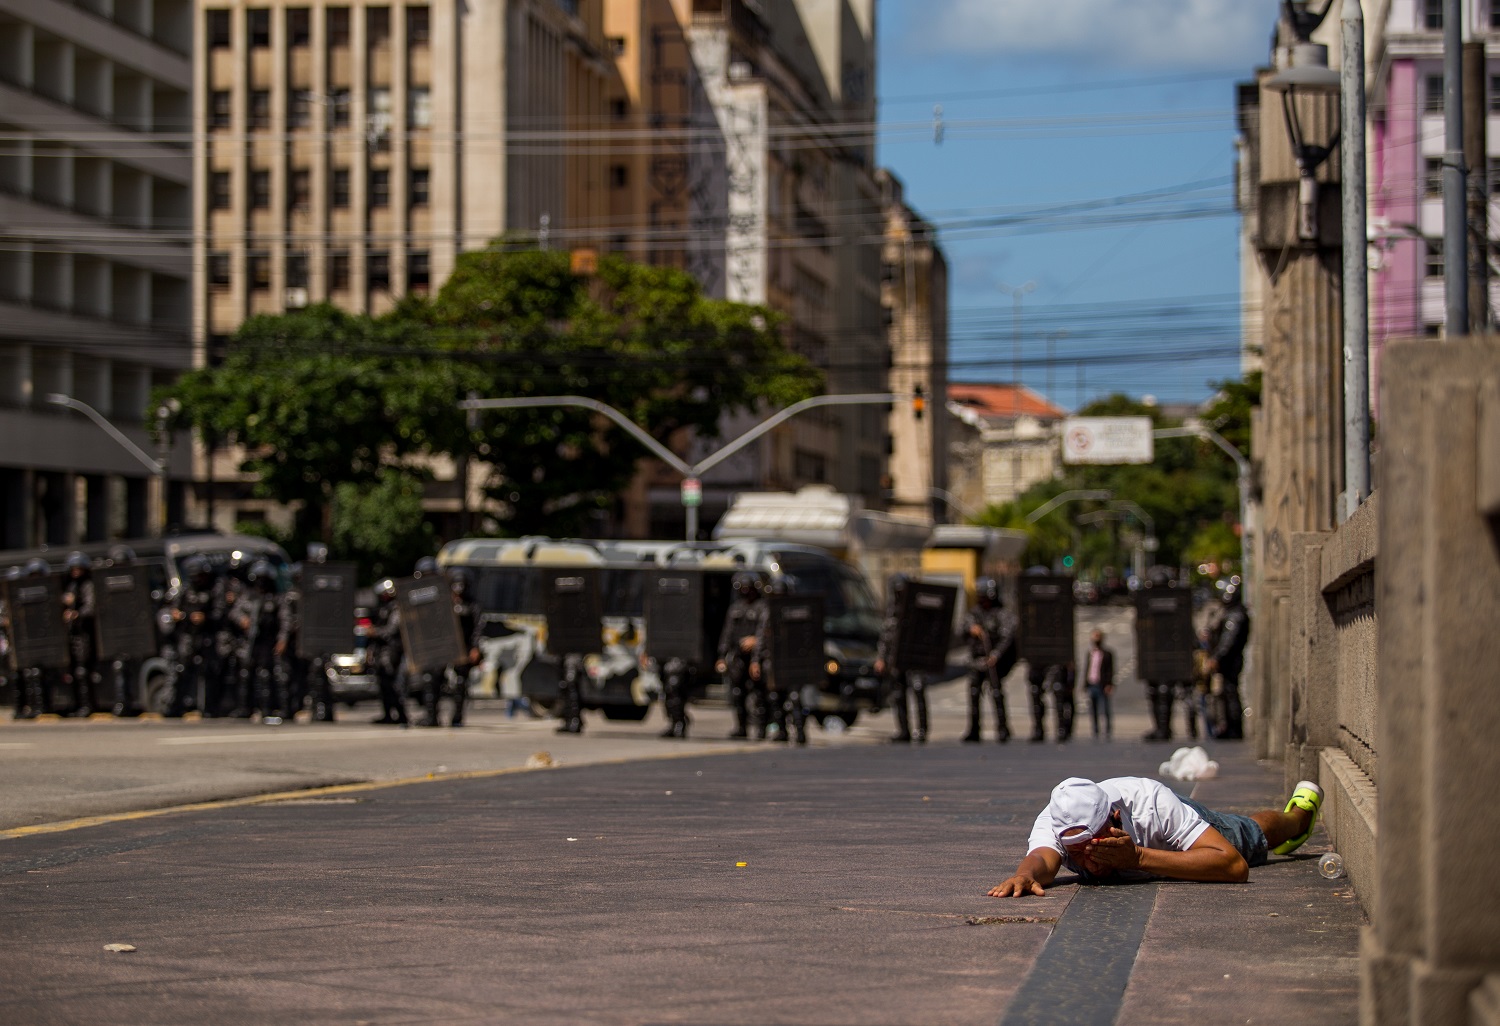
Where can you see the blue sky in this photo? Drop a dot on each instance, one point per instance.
(1088, 148)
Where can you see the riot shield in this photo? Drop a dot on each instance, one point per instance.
(794, 640)
(1046, 633)
(926, 628)
(124, 624)
(674, 617)
(37, 636)
(574, 608)
(1164, 636)
(429, 623)
(327, 610)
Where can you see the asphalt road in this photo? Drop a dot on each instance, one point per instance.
(610, 889)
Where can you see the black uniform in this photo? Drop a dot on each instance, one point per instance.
(746, 696)
(304, 677)
(258, 616)
(907, 691)
(387, 655)
(196, 613)
(1057, 680)
(1229, 654)
(78, 615)
(992, 655)
(784, 708)
(230, 687)
(455, 679)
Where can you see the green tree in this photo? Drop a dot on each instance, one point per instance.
(334, 411)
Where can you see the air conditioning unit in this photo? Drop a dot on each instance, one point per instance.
(296, 299)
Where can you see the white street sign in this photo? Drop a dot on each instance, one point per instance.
(1108, 440)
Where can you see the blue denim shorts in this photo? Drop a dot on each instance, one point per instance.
(1241, 831)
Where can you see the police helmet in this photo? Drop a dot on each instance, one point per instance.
(295, 570)
(77, 561)
(37, 567)
(461, 580)
(13, 574)
(987, 591)
(425, 565)
(1159, 577)
(121, 555)
(262, 574)
(385, 589)
(747, 584)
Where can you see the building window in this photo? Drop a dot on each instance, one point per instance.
(296, 269)
(260, 190)
(340, 188)
(218, 29)
(418, 107)
(1432, 99)
(258, 21)
(418, 271)
(219, 195)
(298, 26)
(1432, 14)
(218, 270)
(338, 108)
(421, 186)
(378, 26)
(299, 195)
(260, 108)
(1495, 14)
(258, 264)
(1434, 258)
(299, 108)
(338, 270)
(418, 26)
(219, 109)
(338, 26)
(378, 270)
(1494, 169)
(380, 188)
(618, 176)
(1432, 177)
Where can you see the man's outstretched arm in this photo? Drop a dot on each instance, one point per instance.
(1037, 870)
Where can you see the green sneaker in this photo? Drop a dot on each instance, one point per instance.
(1309, 796)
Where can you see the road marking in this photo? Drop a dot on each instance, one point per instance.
(301, 735)
(333, 789)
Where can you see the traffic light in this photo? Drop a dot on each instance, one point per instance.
(1067, 562)
(918, 403)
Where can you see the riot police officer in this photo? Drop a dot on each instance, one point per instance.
(304, 677)
(456, 679)
(1228, 660)
(78, 618)
(786, 713)
(1161, 694)
(34, 686)
(386, 655)
(258, 618)
(901, 685)
(195, 614)
(123, 672)
(233, 685)
(991, 632)
(736, 646)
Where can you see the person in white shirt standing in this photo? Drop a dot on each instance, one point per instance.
(1127, 827)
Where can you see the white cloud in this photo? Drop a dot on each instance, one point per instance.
(1131, 33)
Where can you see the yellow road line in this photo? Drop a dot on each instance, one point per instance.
(330, 789)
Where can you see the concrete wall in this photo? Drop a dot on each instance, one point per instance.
(1432, 954)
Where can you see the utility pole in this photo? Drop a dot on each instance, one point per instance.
(1477, 159)
(1455, 192)
(1356, 264)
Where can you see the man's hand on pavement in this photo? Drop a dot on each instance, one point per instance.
(1022, 885)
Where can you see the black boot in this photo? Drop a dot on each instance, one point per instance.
(903, 720)
(920, 735)
(972, 737)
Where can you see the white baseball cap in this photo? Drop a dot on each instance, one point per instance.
(1078, 804)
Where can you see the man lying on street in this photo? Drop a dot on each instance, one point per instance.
(1136, 827)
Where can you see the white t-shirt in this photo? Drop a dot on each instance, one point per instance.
(1150, 812)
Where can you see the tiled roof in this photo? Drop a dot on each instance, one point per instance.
(1006, 401)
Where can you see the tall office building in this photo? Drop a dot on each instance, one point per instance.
(745, 156)
(348, 152)
(95, 173)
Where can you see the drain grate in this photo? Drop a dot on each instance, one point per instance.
(1009, 920)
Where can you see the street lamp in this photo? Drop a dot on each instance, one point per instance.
(157, 466)
(1309, 74)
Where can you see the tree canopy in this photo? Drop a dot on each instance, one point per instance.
(334, 410)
